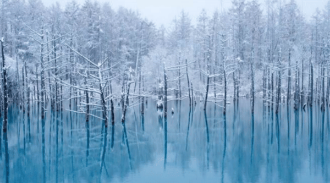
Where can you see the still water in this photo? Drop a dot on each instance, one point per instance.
(196, 147)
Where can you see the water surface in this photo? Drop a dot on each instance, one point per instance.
(292, 146)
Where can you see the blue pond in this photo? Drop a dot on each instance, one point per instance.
(292, 146)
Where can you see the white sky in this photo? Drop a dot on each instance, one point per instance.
(164, 11)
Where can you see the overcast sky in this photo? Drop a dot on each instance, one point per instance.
(163, 11)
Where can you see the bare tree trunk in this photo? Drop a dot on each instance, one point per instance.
(23, 87)
(28, 100)
(18, 87)
(142, 106)
(43, 108)
(112, 122)
(323, 87)
(87, 102)
(42, 76)
(125, 104)
(289, 80)
(23, 105)
(190, 100)
(302, 84)
(272, 90)
(269, 87)
(237, 85)
(252, 88)
(311, 84)
(165, 116)
(297, 93)
(165, 93)
(49, 76)
(56, 100)
(278, 99)
(328, 87)
(264, 85)
(207, 91)
(5, 110)
(104, 108)
(234, 81)
(87, 119)
(225, 91)
(71, 58)
(38, 93)
(123, 121)
(192, 94)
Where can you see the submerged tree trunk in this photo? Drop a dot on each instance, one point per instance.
(28, 102)
(42, 76)
(87, 121)
(252, 88)
(123, 118)
(112, 122)
(104, 108)
(165, 93)
(165, 116)
(43, 107)
(5, 110)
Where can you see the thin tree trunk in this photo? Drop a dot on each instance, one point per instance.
(302, 84)
(252, 88)
(225, 91)
(323, 88)
(165, 116)
(289, 80)
(328, 87)
(5, 109)
(112, 122)
(311, 84)
(272, 90)
(207, 91)
(179, 80)
(190, 100)
(278, 87)
(43, 108)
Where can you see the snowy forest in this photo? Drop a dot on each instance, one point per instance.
(81, 70)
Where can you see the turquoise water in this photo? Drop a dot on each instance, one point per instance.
(197, 147)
